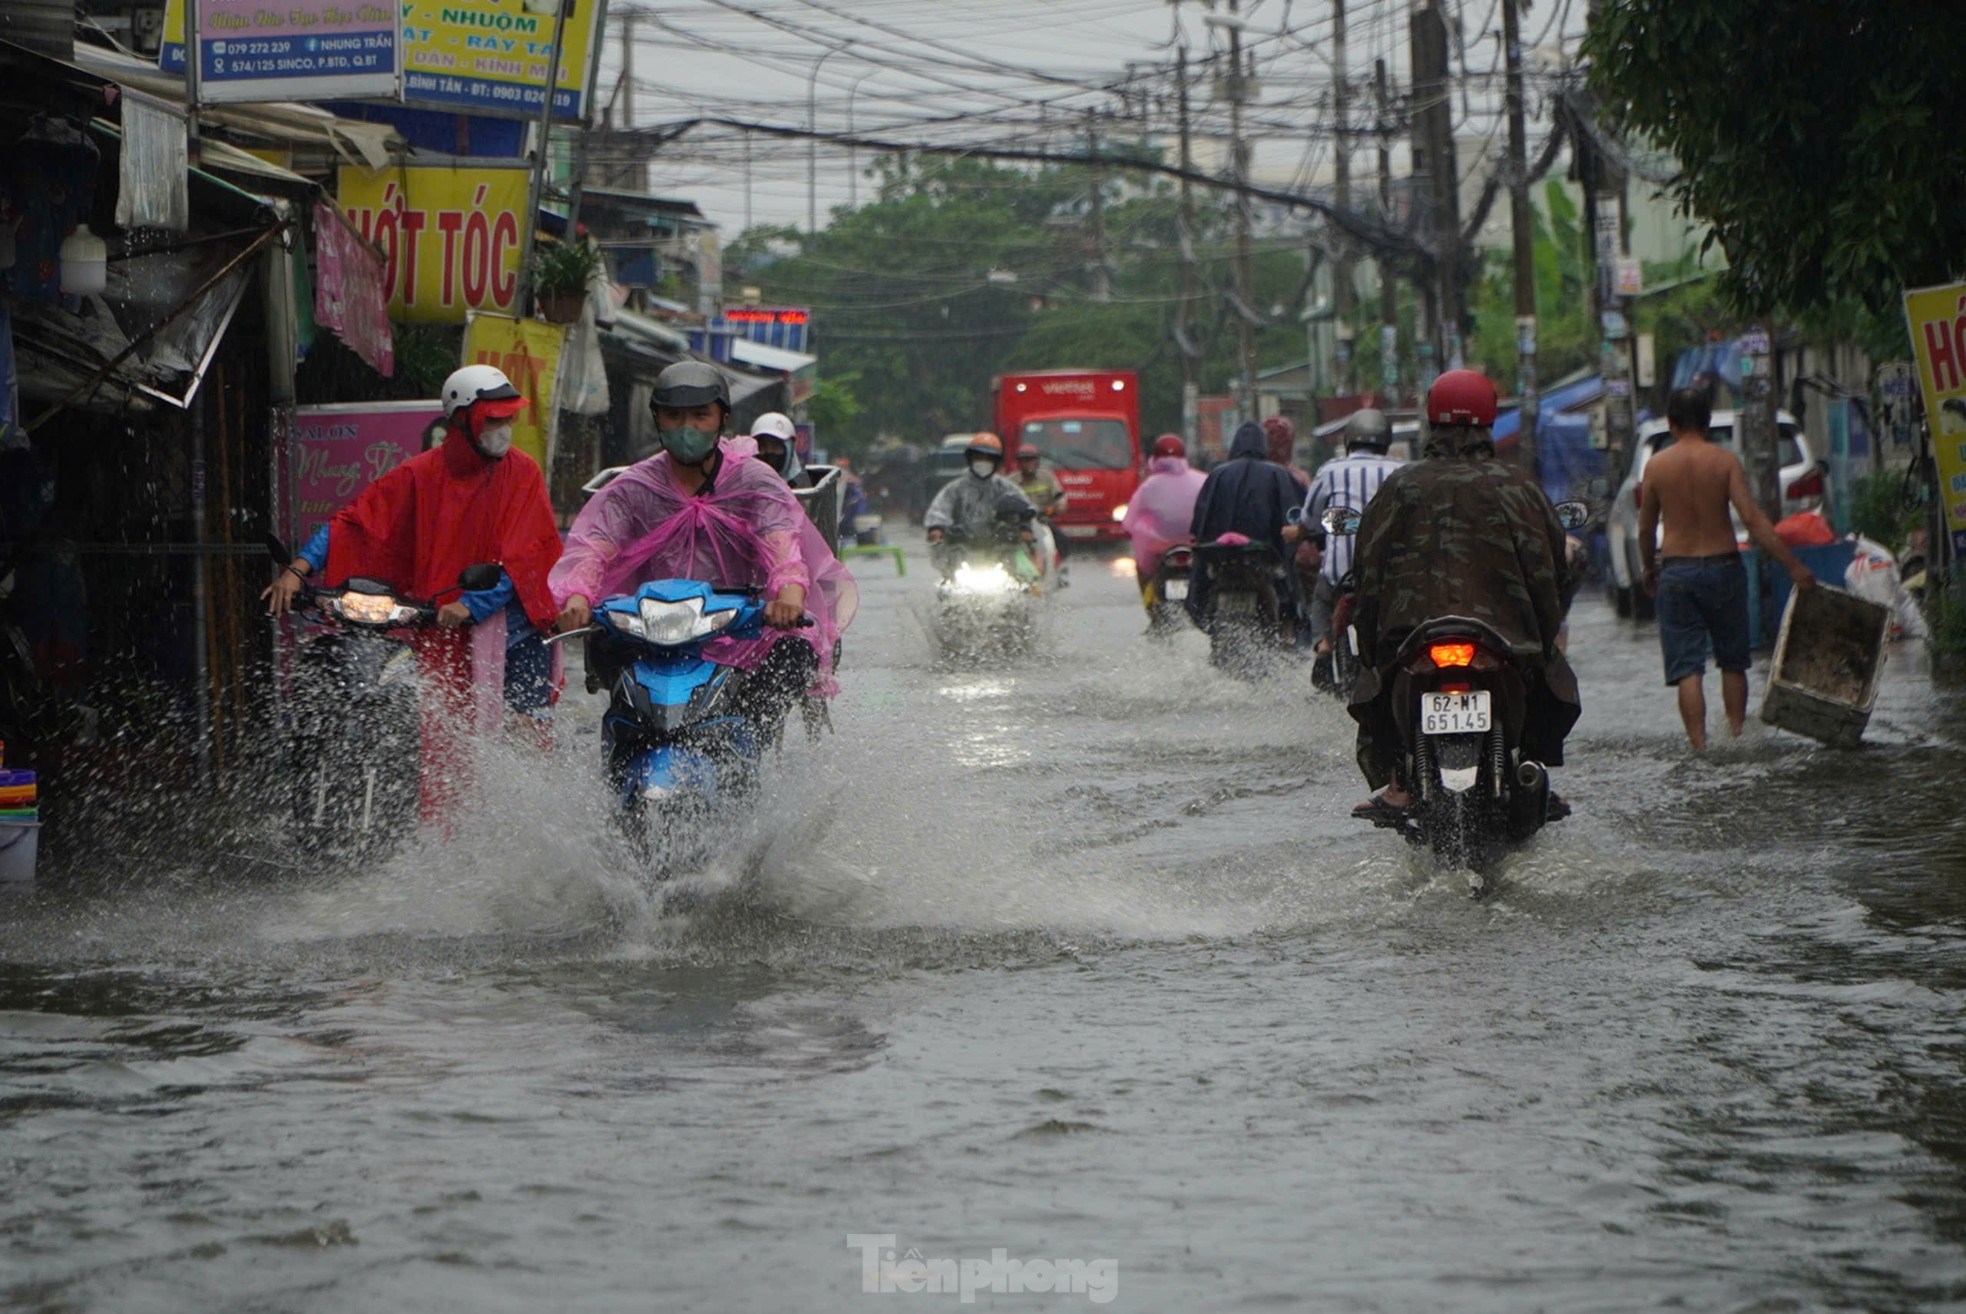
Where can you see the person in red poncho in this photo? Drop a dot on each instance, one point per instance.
(470, 499)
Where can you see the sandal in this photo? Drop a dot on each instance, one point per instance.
(1379, 812)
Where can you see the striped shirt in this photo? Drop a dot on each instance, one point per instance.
(1351, 480)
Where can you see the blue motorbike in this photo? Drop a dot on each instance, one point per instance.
(680, 740)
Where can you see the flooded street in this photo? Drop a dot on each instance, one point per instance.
(1080, 960)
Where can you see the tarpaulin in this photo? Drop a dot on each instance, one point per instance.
(348, 296)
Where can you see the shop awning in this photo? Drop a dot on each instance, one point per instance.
(770, 358)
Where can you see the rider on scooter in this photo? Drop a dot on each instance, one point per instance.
(974, 501)
(468, 500)
(1248, 495)
(1460, 533)
(1162, 509)
(704, 509)
(1352, 480)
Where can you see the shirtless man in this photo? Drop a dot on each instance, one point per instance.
(1698, 577)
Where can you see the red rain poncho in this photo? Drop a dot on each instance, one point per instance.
(1161, 510)
(417, 527)
(743, 528)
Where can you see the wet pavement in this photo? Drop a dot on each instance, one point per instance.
(1079, 960)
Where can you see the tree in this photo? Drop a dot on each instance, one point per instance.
(961, 269)
(1820, 141)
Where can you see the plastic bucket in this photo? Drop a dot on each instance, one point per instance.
(19, 842)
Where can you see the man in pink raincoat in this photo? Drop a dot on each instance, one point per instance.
(702, 509)
(1162, 509)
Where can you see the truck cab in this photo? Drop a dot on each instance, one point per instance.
(1087, 425)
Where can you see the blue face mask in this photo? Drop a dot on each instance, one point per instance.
(687, 445)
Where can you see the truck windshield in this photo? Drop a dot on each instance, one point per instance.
(1082, 444)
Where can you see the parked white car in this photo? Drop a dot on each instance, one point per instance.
(1802, 482)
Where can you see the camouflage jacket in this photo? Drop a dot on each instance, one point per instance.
(1460, 534)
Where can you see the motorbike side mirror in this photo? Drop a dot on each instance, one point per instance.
(1341, 520)
(478, 578)
(276, 547)
(1573, 515)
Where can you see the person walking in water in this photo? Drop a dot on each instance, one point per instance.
(1695, 570)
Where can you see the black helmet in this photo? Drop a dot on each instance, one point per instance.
(688, 384)
(1368, 428)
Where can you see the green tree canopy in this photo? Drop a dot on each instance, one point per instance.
(1822, 141)
(962, 269)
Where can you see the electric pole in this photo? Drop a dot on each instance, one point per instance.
(1433, 139)
(1522, 230)
(628, 69)
(1343, 294)
(1102, 289)
(1245, 276)
(1388, 293)
(1603, 183)
(1184, 324)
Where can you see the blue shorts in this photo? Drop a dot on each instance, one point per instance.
(1702, 598)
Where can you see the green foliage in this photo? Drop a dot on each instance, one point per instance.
(565, 267)
(1945, 619)
(1821, 141)
(960, 270)
(833, 407)
(1565, 338)
(1879, 511)
(425, 356)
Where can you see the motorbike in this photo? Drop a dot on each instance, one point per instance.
(1459, 700)
(1165, 612)
(990, 587)
(1244, 615)
(679, 743)
(1339, 671)
(353, 744)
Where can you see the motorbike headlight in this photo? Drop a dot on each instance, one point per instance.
(372, 609)
(671, 623)
(983, 579)
(628, 623)
(1119, 513)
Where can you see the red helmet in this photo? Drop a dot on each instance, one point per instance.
(1462, 397)
(1170, 445)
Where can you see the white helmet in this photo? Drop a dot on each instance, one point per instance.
(774, 424)
(476, 383)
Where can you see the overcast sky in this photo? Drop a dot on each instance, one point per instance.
(1021, 72)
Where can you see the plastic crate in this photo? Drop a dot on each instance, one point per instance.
(1823, 680)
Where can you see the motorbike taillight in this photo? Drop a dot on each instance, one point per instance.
(1454, 653)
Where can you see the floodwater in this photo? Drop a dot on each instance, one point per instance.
(1079, 961)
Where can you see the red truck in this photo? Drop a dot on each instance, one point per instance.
(1087, 425)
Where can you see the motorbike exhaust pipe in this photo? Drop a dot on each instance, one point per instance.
(1529, 803)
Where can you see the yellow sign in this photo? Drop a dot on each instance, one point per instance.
(528, 350)
(449, 237)
(474, 56)
(489, 56)
(1938, 335)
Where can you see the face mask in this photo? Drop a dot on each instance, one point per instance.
(495, 440)
(688, 446)
(982, 469)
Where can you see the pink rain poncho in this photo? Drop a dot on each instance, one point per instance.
(745, 527)
(1162, 510)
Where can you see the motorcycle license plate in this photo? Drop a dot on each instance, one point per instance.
(1177, 590)
(1454, 713)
